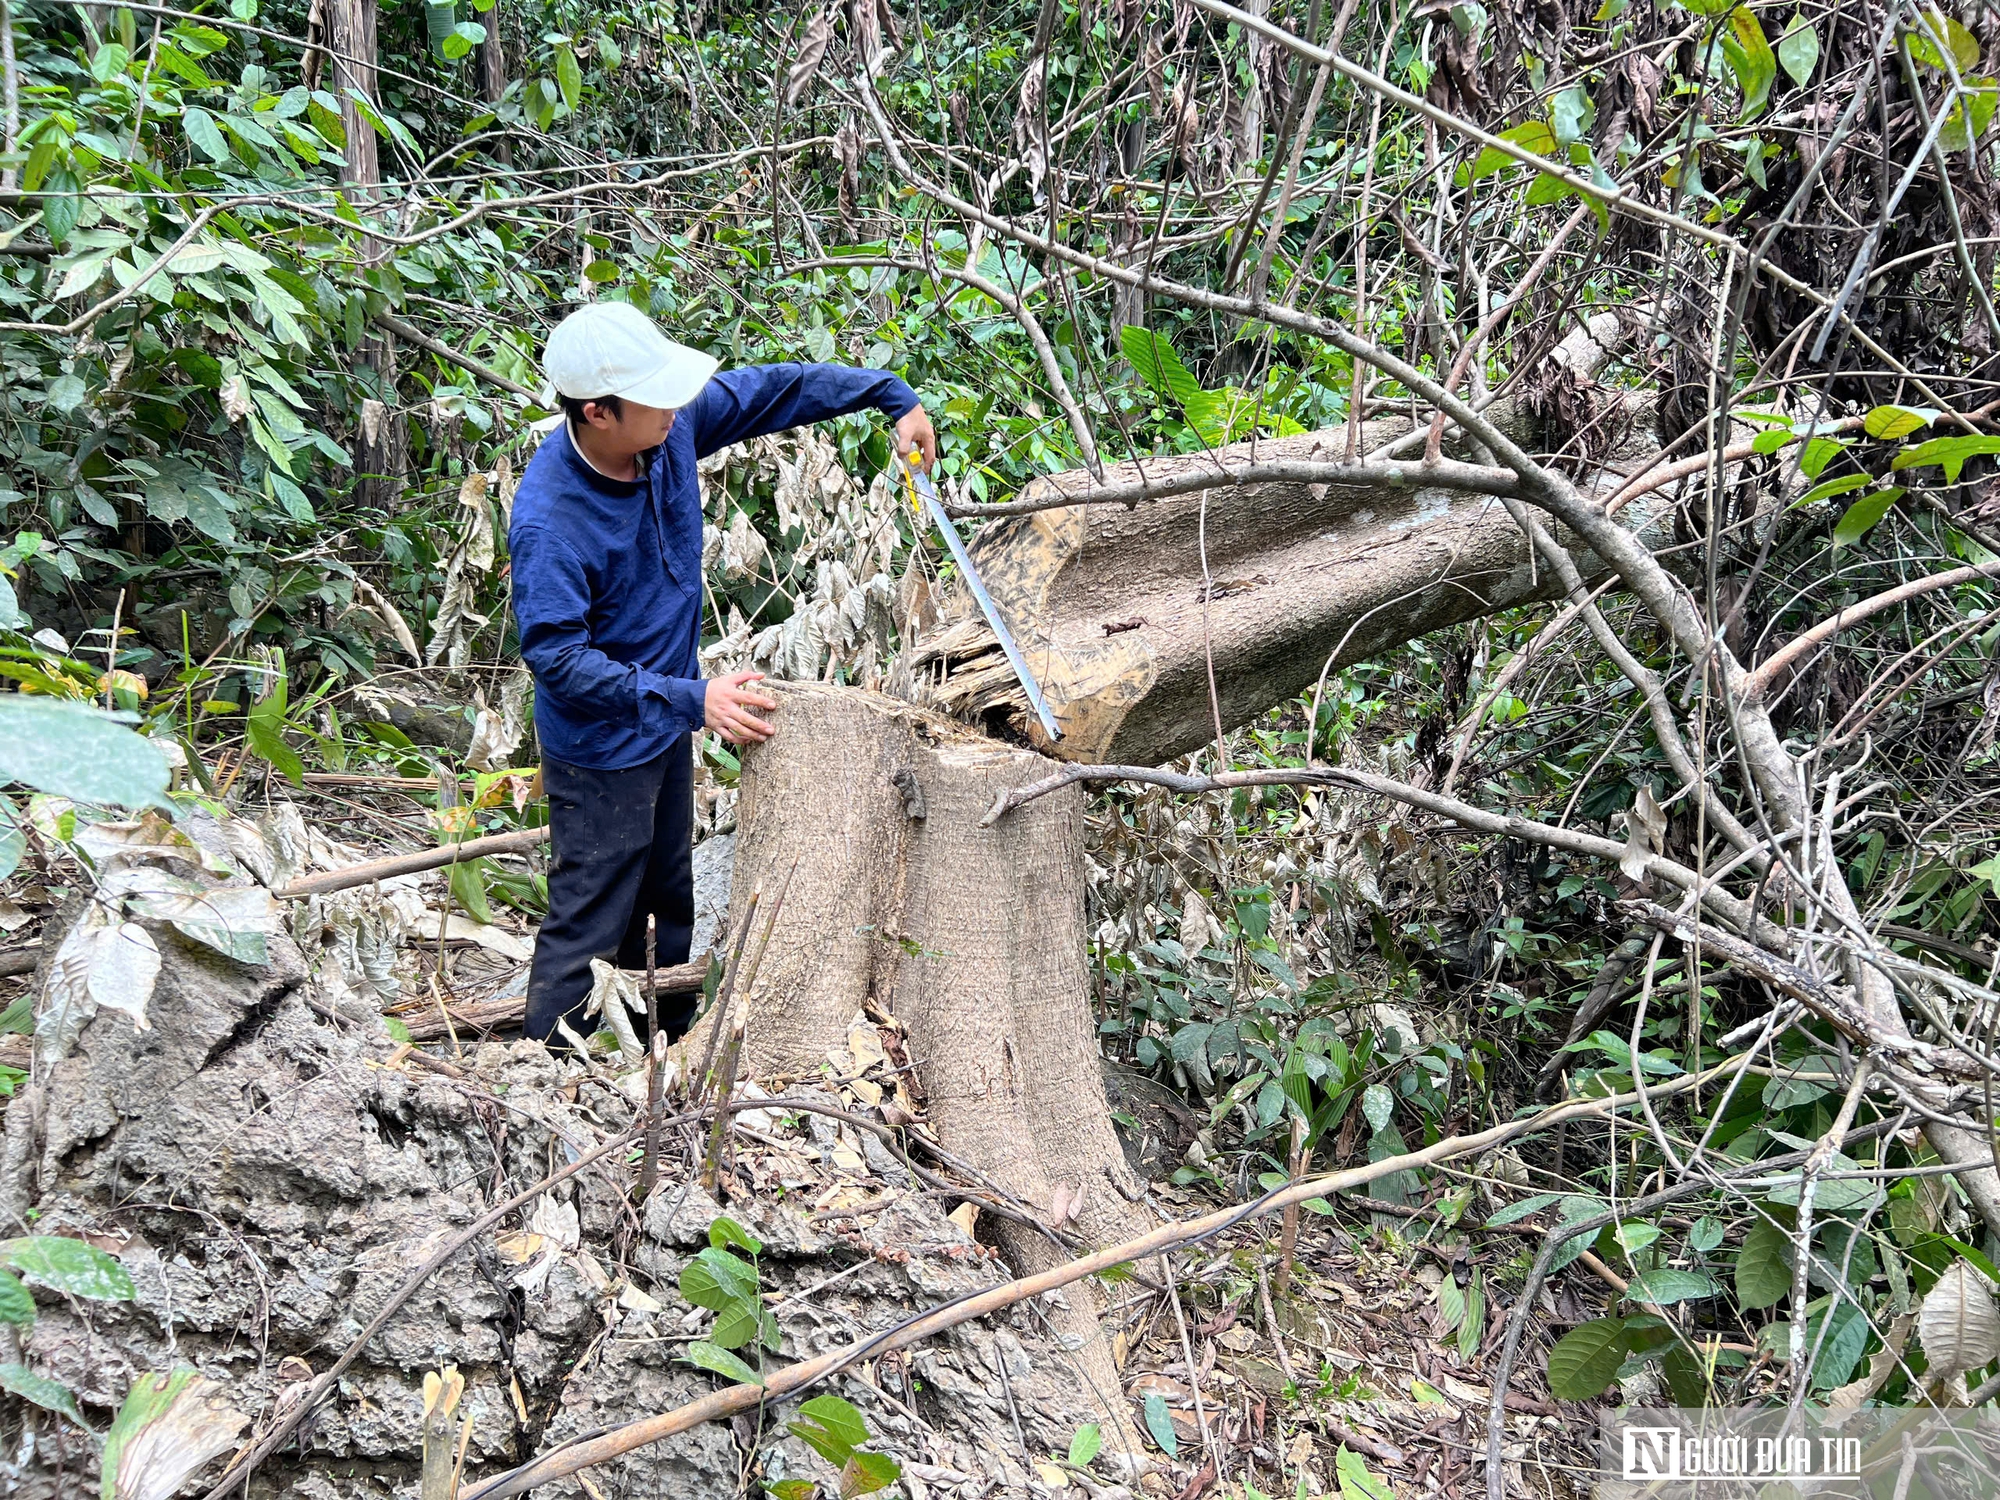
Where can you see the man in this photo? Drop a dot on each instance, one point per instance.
(606, 543)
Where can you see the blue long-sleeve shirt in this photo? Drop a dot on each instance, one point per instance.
(607, 574)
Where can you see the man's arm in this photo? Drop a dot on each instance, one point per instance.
(755, 399)
(552, 604)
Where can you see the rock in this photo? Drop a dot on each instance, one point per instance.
(714, 861)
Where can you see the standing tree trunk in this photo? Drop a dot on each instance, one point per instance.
(10, 92)
(493, 77)
(378, 455)
(351, 41)
(972, 938)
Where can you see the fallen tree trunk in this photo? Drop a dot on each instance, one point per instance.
(1143, 622)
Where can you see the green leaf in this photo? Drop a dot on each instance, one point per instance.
(63, 192)
(1451, 1306)
(1377, 1105)
(1798, 49)
(468, 887)
(721, 1362)
(1513, 1213)
(865, 1473)
(1846, 484)
(1818, 453)
(1750, 58)
(17, 1306)
(598, 272)
(736, 1325)
(715, 1279)
(202, 130)
(1665, 1286)
(1472, 1332)
(1846, 1335)
(831, 1427)
(1860, 517)
(109, 61)
(1949, 452)
(1790, 1093)
(1763, 1265)
(1158, 364)
(13, 844)
(1971, 112)
(73, 750)
(1585, 1360)
(1892, 422)
(725, 1233)
(1357, 1481)
(1772, 440)
(1086, 1445)
(70, 1266)
(1634, 1235)
(1705, 1236)
(439, 19)
(791, 1489)
(1963, 44)
(1570, 114)
(398, 1032)
(265, 735)
(1575, 1209)
(1531, 135)
(1160, 1425)
(569, 78)
(50, 1395)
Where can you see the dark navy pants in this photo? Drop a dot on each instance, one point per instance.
(624, 849)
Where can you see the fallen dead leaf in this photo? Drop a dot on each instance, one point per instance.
(634, 1300)
(516, 1248)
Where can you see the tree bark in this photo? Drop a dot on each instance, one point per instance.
(351, 42)
(493, 77)
(1110, 608)
(866, 809)
(10, 93)
(1127, 614)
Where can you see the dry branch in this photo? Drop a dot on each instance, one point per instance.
(1731, 909)
(412, 864)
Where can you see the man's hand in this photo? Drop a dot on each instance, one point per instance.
(726, 704)
(914, 430)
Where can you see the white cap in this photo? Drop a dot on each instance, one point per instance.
(613, 349)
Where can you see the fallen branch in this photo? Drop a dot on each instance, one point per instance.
(412, 864)
(1729, 908)
(1841, 1011)
(1772, 667)
(1048, 494)
(732, 1400)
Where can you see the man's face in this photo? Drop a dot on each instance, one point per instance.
(635, 429)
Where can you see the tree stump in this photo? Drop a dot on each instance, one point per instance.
(973, 938)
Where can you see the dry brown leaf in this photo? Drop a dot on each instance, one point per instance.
(812, 51)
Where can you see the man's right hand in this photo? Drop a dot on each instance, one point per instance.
(726, 708)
